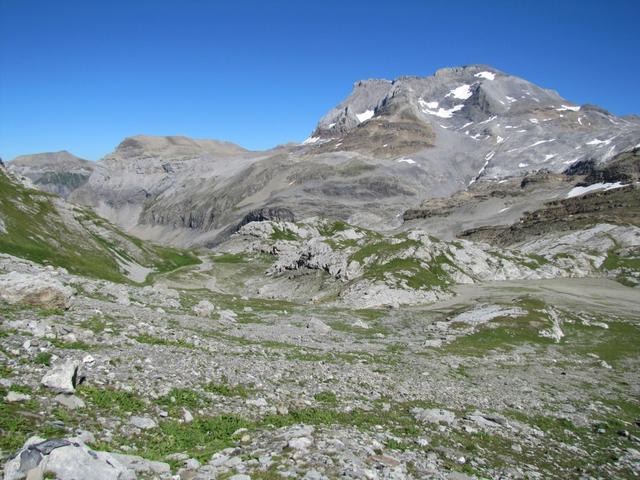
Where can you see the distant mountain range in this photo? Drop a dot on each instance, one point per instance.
(388, 148)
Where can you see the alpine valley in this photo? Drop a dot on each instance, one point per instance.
(442, 281)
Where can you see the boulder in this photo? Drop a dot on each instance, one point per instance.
(63, 377)
(318, 326)
(13, 397)
(70, 401)
(142, 465)
(204, 308)
(144, 423)
(434, 415)
(67, 459)
(40, 289)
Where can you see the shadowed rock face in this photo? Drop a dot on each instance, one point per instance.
(388, 147)
(275, 214)
(619, 206)
(623, 168)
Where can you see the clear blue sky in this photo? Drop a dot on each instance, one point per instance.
(82, 75)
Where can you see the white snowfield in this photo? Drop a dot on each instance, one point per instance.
(311, 140)
(601, 142)
(540, 142)
(462, 92)
(406, 160)
(486, 75)
(577, 191)
(364, 116)
(564, 108)
(441, 112)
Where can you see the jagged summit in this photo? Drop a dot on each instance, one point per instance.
(475, 111)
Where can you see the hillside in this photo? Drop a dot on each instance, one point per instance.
(44, 228)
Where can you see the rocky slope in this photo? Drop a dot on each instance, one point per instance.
(386, 148)
(45, 228)
(510, 380)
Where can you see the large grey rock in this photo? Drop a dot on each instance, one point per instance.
(63, 377)
(204, 308)
(68, 459)
(71, 402)
(318, 326)
(40, 289)
(13, 397)
(144, 423)
(142, 465)
(434, 415)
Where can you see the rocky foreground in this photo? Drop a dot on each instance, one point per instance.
(494, 335)
(199, 375)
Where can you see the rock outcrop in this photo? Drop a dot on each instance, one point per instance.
(43, 290)
(67, 459)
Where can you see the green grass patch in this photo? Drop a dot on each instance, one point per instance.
(326, 397)
(505, 333)
(179, 398)
(96, 324)
(226, 390)
(201, 438)
(283, 234)
(371, 331)
(613, 345)
(37, 232)
(43, 358)
(18, 421)
(231, 258)
(331, 228)
(110, 401)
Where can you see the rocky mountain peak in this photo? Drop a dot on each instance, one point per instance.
(471, 111)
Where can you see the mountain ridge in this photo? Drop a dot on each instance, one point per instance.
(388, 147)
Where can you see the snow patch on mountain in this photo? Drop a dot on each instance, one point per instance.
(441, 112)
(600, 142)
(540, 142)
(364, 116)
(486, 75)
(462, 92)
(577, 191)
(564, 108)
(406, 160)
